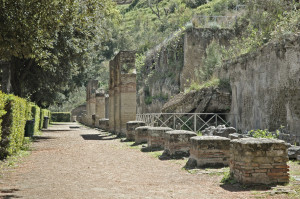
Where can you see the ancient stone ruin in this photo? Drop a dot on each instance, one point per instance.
(141, 134)
(209, 151)
(130, 129)
(122, 91)
(177, 143)
(91, 101)
(156, 137)
(259, 161)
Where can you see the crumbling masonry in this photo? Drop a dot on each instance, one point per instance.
(122, 91)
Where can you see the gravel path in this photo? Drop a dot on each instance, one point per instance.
(86, 163)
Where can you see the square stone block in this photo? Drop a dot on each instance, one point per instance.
(156, 137)
(177, 143)
(130, 129)
(141, 134)
(259, 161)
(209, 151)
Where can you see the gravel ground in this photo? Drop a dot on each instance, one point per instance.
(85, 163)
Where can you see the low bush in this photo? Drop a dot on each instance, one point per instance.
(60, 117)
(36, 114)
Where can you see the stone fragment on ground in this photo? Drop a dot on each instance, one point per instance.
(220, 130)
(293, 152)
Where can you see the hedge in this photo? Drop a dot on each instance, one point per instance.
(14, 111)
(36, 114)
(60, 117)
(13, 124)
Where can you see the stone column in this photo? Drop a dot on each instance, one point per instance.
(100, 107)
(106, 106)
(91, 100)
(122, 91)
(111, 97)
(127, 100)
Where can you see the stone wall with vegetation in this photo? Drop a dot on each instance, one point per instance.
(265, 87)
(177, 63)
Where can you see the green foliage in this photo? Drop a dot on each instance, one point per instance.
(264, 20)
(51, 44)
(13, 125)
(211, 61)
(263, 134)
(60, 116)
(36, 114)
(210, 83)
(227, 178)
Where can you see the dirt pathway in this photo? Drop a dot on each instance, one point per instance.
(85, 163)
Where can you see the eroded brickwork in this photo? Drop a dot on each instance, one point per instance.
(122, 91)
(259, 161)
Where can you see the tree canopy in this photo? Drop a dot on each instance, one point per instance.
(49, 44)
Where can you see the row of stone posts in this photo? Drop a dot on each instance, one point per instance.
(112, 111)
(251, 160)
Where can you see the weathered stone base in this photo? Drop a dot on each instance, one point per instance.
(259, 161)
(130, 129)
(177, 143)
(155, 139)
(104, 124)
(209, 151)
(141, 134)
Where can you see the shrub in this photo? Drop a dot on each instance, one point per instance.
(13, 124)
(60, 117)
(263, 134)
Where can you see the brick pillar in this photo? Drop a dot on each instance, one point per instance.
(127, 100)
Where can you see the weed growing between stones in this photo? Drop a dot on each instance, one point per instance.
(228, 179)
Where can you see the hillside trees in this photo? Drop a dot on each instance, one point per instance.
(47, 46)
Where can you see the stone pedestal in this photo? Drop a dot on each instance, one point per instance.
(100, 107)
(156, 137)
(259, 161)
(209, 151)
(177, 143)
(104, 124)
(141, 134)
(130, 129)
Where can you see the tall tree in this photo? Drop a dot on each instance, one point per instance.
(43, 44)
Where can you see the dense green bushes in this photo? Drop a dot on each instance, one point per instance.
(14, 111)
(13, 124)
(60, 117)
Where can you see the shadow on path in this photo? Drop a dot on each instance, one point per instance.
(41, 138)
(97, 137)
(9, 193)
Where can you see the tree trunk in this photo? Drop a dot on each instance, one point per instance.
(6, 77)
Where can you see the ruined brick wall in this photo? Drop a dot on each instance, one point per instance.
(265, 87)
(196, 41)
(170, 67)
(122, 91)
